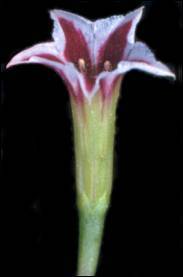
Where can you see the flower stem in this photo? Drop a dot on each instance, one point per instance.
(91, 231)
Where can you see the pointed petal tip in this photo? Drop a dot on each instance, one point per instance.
(58, 11)
(8, 65)
(55, 13)
(51, 13)
(168, 72)
(137, 12)
(16, 60)
(142, 8)
(172, 75)
(12, 63)
(165, 71)
(135, 16)
(141, 11)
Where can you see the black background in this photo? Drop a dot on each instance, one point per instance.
(39, 217)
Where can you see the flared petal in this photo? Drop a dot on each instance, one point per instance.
(46, 51)
(113, 35)
(139, 56)
(47, 55)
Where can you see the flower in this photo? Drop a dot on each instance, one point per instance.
(91, 55)
(92, 58)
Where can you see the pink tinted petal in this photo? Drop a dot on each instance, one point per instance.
(58, 34)
(139, 56)
(47, 51)
(104, 82)
(107, 85)
(119, 31)
(77, 35)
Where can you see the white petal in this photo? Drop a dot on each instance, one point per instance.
(36, 50)
(135, 16)
(77, 19)
(139, 56)
(58, 34)
(156, 69)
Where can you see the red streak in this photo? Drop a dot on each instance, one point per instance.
(76, 45)
(113, 49)
(50, 57)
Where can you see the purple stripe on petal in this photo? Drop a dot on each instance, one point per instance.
(107, 85)
(76, 45)
(89, 83)
(51, 58)
(46, 50)
(113, 49)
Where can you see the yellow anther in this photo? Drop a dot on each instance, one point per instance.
(82, 65)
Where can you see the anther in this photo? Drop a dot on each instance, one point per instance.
(82, 65)
(107, 66)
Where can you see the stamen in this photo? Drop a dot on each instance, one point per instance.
(107, 66)
(82, 65)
